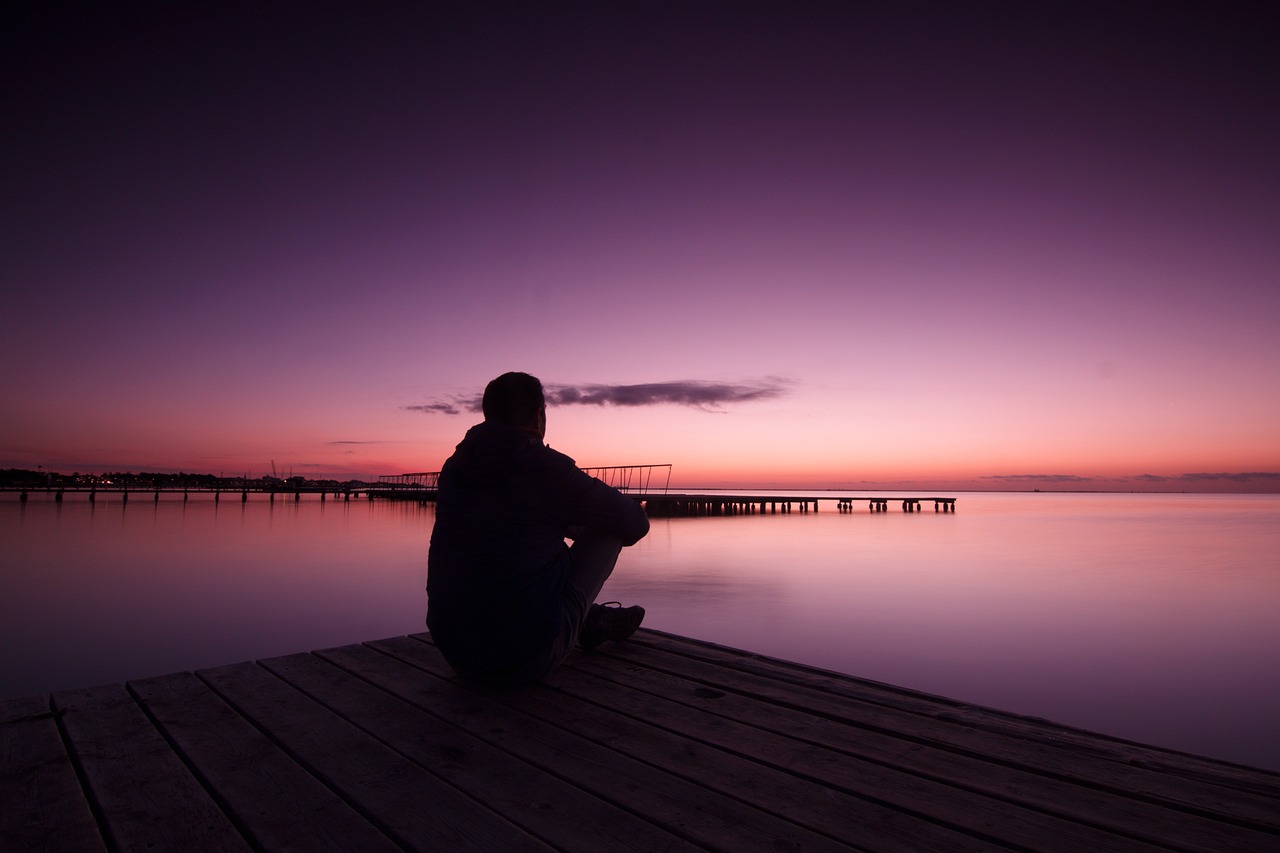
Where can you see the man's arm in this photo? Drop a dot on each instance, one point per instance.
(599, 507)
(606, 509)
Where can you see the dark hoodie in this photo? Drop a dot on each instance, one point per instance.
(498, 559)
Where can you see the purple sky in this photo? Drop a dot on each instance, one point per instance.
(961, 245)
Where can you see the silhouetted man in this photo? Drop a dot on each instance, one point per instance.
(506, 597)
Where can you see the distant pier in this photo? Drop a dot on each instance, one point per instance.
(881, 504)
(717, 504)
(642, 482)
(242, 492)
(675, 504)
(647, 484)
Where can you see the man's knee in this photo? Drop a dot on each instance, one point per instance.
(594, 545)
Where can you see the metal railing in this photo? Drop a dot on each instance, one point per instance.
(428, 480)
(634, 479)
(630, 479)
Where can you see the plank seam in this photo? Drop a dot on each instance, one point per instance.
(373, 819)
(888, 805)
(745, 659)
(901, 807)
(1095, 784)
(1121, 831)
(643, 637)
(376, 737)
(551, 771)
(745, 662)
(95, 807)
(926, 818)
(234, 819)
(1228, 820)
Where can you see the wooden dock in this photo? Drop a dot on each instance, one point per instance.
(660, 743)
(677, 504)
(658, 504)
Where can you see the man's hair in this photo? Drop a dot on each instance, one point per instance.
(514, 399)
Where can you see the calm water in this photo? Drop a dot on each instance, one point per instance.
(1151, 617)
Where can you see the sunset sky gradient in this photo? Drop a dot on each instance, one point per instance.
(991, 245)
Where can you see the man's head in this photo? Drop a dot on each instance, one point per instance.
(516, 399)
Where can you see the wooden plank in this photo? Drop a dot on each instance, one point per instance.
(662, 743)
(1034, 745)
(984, 786)
(999, 821)
(1080, 743)
(704, 816)
(42, 806)
(279, 805)
(811, 757)
(783, 791)
(145, 795)
(24, 707)
(566, 817)
(406, 802)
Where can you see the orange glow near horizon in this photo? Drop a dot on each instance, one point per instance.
(806, 437)
(843, 465)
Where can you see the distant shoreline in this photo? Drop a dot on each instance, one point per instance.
(16, 479)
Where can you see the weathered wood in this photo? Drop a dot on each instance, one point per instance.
(1035, 805)
(892, 789)
(803, 747)
(278, 803)
(706, 817)
(409, 804)
(1148, 771)
(567, 817)
(44, 804)
(145, 795)
(660, 743)
(24, 708)
(622, 720)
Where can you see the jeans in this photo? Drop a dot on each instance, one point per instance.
(592, 557)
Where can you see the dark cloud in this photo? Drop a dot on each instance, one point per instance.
(439, 408)
(1192, 482)
(708, 396)
(1233, 477)
(1208, 477)
(1040, 478)
(700, 395)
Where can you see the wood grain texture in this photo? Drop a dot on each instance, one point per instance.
(661, 743)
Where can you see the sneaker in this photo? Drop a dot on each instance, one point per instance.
(609, 621)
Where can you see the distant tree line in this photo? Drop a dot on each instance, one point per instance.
(25, 479)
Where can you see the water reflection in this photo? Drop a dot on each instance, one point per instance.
(1150, 617)
(109, 591)
(1153, 621)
